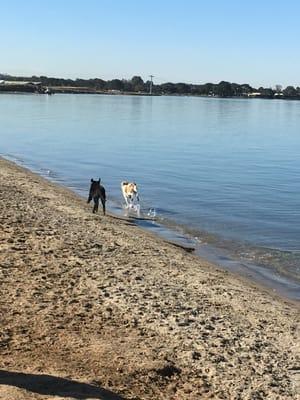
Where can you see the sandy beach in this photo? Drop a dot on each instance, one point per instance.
(93, 307)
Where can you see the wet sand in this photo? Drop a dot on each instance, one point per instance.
(93, 307)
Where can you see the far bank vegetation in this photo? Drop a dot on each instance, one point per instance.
(137, 85)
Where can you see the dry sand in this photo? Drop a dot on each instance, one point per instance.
(93, 307)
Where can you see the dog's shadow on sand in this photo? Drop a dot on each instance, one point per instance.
(55, 386)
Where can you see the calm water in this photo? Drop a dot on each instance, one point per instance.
(226, 171)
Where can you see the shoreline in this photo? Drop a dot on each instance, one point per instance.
(100, 301)
(71, 90)
(277, 283)
(265, 277)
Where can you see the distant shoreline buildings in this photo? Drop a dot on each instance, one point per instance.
(136, 86)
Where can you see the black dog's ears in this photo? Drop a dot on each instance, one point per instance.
(99, 180)
(92, 180)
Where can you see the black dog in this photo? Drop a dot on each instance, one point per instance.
(97, 192)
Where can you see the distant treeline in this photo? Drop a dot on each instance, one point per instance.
(137, 85)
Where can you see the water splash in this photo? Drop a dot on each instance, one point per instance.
(151, 213)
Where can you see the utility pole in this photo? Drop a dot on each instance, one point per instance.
(151, 84)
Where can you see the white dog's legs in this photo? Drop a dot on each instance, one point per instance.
(126, 200)
(138, 210)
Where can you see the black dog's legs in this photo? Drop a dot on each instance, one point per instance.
(103, 205)
(96, 204)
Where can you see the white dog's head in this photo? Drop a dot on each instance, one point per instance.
(129, 188)
(130, 191)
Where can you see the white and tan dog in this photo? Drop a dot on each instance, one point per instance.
(130, 194)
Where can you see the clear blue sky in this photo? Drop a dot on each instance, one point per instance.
(243, 41)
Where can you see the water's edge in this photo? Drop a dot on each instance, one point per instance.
(265, 276)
